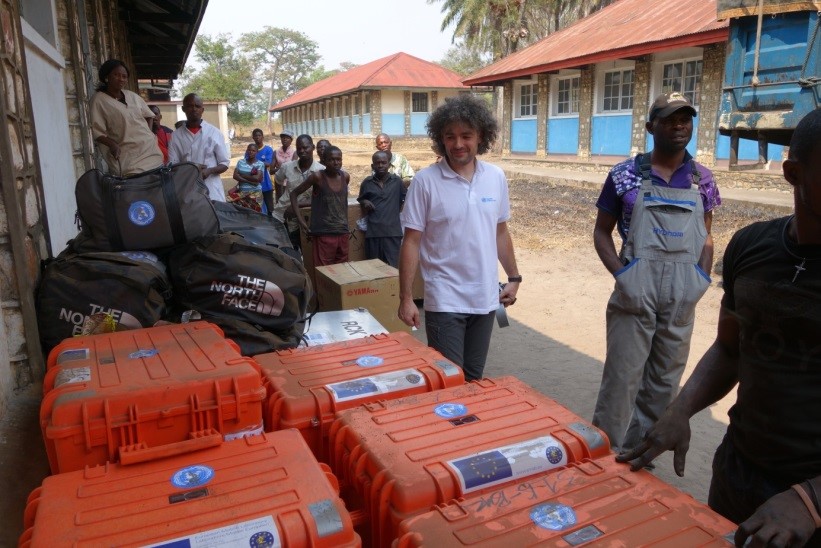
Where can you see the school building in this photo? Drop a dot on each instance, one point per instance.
(585, 91)
(393, 95)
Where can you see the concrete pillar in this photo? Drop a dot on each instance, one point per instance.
(407, 98)
(434, 100)
(329, 125)
(351, 99)
(541, 115)
(360, 97)
(376, 112)
(712, 79)
(507, 110)
(642, 77)
(587, 98)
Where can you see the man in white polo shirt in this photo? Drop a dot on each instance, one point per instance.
(455, 222)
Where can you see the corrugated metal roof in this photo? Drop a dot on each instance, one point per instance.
(626, 28)
(399, 70)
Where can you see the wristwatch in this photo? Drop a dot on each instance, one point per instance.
(514, 278)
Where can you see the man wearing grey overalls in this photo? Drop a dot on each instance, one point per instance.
(662, 203)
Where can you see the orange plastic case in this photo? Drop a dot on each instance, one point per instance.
(264, 490)
(597, 502)
(401, 457)
(142, 394)
(308, 386)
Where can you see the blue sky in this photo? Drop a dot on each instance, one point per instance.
(358, 31)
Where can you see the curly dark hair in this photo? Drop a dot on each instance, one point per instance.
(105, 70)
(467, 109)
(806, 136)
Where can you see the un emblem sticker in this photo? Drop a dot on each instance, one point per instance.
(192, 476)
(141, 213)
(553, 516)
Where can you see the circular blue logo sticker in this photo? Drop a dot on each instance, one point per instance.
(192, 476)
(144, 353)
(450, 410)
(369, 361)
(141, 213)
(263, 539)
(554, 454)
(553, 516)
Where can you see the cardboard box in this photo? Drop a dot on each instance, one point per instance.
(356, 241)
(340, 325)
(368, 284)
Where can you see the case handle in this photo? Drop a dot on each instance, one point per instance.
(134, 454)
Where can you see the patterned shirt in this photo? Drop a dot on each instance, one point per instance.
(621, 188)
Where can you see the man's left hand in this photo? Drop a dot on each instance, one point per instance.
(508, 295)
(782, 520)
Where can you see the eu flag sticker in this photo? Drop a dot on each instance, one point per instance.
(356, 388)
(483, 469)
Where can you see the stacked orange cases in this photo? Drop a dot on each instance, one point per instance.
(402, 457)
(143, 394)
(309, 386)
(264, 490)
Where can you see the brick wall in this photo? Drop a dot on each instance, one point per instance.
(641, 104)
(712, 78)
(507, 112)
(587, 96)
(541, 115)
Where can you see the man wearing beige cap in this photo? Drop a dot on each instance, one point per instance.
(661, 202)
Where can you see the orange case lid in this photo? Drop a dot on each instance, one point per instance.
(308, 386)
(132, 391)
(598, 502)
(252, 491)
(404, 456)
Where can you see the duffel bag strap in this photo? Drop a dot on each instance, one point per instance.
(172, 206)
(114, 235)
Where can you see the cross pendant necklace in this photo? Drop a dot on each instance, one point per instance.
(799, 268)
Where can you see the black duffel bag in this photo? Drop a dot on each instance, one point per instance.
(255, 227)
(253, 339)
(157, 209)
(132, 287)
(227, 276)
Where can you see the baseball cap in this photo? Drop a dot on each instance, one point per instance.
(287, 133)
(667, 103)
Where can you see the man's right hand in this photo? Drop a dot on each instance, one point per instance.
(672, 431)
(409, 312)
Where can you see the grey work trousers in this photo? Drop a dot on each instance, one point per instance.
(650, 319)
(464, 339)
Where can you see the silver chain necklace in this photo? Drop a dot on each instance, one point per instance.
(799, 268)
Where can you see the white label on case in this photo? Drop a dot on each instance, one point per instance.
(71, 375)
(364, 387)
(504, 464)
(256, 532)
(72, 354)
(250, 431)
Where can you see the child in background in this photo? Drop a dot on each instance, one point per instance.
(248, 174)
(329, 209)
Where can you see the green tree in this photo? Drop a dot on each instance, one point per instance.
(464, 60)
(281, 58)
(501, 27)
(224, 76)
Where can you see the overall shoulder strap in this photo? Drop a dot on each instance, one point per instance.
(696, 172)
(645, 167)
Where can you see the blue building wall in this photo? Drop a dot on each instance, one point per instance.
(611, 135)
(417, 123)
(393, 124)
(355, 124)
(366, 124)
(563, 136)
(747, 149)
(523, 135)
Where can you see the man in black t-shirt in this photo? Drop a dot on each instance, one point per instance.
(767, 471)
(381, 196)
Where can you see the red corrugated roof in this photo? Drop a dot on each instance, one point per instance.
(626, 28)
(399, 70)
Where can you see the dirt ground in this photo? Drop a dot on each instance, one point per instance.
(556, 340)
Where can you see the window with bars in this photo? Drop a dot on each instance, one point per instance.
(357, 104)
(528, 99)
(618, 91)
(683, 77)
(567, 100)
(419, 102)
(345, 110)
(367, 102)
